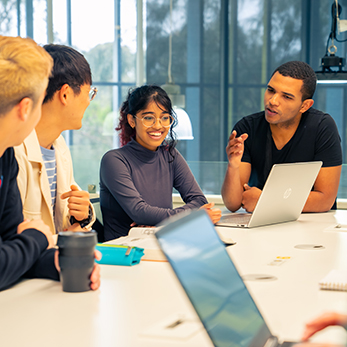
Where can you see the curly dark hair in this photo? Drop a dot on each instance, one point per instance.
(138, 99)
(300, 71)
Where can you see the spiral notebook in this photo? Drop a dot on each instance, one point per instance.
(334, 280)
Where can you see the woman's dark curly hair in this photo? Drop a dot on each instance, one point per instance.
(138, 99)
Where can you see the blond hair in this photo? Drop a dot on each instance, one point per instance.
(24, 70)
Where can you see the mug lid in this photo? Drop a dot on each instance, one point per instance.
(77, 239)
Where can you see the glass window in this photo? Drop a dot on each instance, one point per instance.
(94, 138)
(92, 25)
(40, 21)
(8, 18)
(60, 22)
(221, 64)
(112, 61)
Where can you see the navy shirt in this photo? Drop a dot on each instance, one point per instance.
(136, 185)
(22, 254)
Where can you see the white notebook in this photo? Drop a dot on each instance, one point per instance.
(144, 238)
(334, 280)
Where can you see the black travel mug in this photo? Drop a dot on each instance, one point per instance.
(76, 259)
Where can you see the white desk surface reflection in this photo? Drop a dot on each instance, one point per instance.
(132, 299)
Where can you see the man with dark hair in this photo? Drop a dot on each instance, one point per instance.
(289, 130)
(300, 71)
(70, 67)
(45, 178)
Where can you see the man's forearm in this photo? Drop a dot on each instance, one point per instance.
(232, 189)
(318, 202)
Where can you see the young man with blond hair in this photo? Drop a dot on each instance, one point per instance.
(26, 247)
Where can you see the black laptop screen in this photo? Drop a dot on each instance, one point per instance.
(212, 283)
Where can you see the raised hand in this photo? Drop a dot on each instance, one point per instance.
(235, 149)
(78, 202)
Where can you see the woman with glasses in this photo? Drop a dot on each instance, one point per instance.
(136, 180)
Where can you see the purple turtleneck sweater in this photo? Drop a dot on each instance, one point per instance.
(136, 185)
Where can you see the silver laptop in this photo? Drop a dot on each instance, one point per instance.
(213, 284)
(282, 199)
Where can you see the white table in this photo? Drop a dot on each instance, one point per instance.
(131, 299)
(294, 298)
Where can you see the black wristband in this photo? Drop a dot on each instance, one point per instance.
(84, 222)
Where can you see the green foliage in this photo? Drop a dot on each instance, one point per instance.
(96, 135)
(158, 31)
(100, 59)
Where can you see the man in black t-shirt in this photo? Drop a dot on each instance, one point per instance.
(288, 131)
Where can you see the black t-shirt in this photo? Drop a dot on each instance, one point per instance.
(316, 138)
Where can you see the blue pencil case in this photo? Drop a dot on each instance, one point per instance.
(119, 255)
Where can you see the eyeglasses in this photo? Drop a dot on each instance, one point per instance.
(149, 120)
(92, 93)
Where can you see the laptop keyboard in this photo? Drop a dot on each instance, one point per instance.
(237, 218)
